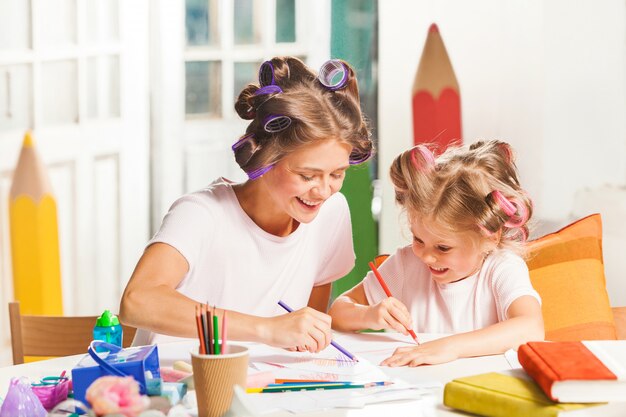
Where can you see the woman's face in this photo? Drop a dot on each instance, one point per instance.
(302, 181)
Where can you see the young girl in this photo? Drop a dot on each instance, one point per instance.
(463, 273)
(282, 235)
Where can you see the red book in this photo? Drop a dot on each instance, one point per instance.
(436, 97)
(582, 372)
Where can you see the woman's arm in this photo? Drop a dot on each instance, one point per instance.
(351, 312)
(153, 286)
(525, 323)
(319, 298)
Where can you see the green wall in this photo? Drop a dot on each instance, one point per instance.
(354, 39)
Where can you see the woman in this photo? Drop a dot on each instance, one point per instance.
(284, 234)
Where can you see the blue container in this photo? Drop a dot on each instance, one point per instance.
(108, 329)
(141, 362)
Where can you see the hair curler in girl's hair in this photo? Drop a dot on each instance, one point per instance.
(513, 208)
(427, 156)
(505, 149)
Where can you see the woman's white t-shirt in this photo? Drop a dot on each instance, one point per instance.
(475, 302)
(236, 265)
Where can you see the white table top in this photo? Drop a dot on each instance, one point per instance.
(372, 346)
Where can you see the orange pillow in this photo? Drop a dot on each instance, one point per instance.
(567, 270)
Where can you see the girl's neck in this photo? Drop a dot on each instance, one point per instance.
(254, 199)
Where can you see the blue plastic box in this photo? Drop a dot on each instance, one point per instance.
(141, 362)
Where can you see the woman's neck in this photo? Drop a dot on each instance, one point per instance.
(256, 202)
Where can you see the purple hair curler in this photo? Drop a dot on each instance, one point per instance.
(266, 74)
(357, 159)
(276, 123)
(329, 72)
(253, 175)
(241, 141)
(268, 89)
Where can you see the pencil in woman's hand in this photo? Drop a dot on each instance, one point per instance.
(383, 284)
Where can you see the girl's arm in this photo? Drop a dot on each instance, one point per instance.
(525, 323)
(153, 287)
(351, 312)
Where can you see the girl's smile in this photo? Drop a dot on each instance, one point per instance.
(449, 257)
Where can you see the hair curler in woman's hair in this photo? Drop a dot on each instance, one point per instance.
(329, 75)
(274, 123)
(427, 156)
(266, 74)
(359, 157)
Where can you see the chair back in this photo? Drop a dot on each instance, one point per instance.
(47, 336)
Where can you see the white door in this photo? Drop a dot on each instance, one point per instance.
(220, 46)
(76, 71)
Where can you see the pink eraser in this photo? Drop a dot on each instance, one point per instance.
(260, 379)
(172, 375)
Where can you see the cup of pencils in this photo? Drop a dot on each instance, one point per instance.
(217, 367)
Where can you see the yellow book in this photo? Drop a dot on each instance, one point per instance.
(34, 236)
(514, 395)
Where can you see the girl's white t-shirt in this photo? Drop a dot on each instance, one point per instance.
(475, 302)
(236, 265)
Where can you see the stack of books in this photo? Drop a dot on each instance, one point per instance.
(558, 379)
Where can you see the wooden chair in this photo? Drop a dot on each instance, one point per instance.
(47, 336)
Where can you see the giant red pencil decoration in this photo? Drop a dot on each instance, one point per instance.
(436, 97)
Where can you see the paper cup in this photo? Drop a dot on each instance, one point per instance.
(215, 376)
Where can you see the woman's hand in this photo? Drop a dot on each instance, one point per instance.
(431, 353)
(391, 314)
(304, 329)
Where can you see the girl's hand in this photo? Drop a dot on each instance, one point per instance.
(304, 329)
(431, 353)
(390, 313)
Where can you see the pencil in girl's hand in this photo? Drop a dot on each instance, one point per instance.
(383, 284)
(199, 326)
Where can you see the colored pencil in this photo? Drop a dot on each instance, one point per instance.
(295, 384)
(209, 339)
(436, 96)
(332, 342)
(216, 330)
(311, 387)
(383, 284)
(224, 346)
(199, 326)
(34, 235)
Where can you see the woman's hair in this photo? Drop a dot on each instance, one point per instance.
(287, 87)
(472, 188)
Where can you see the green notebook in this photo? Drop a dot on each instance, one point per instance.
(509, 395)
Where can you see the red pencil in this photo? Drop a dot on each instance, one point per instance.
(199, 326)
(224, 346)
(383, 284)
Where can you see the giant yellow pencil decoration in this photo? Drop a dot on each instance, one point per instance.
(34, 236)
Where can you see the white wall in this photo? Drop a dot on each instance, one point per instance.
(549, 77)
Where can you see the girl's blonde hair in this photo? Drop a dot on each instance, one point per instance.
(317, 113)
(472, 188)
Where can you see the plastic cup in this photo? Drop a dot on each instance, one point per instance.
(215, 377)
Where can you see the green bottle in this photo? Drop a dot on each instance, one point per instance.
(108, 329)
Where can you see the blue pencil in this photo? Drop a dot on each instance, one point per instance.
(295, 384)
(332, 342)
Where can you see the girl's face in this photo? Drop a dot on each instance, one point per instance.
(449, 257)
(301, 182)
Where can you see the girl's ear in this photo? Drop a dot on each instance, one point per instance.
(492, 241)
